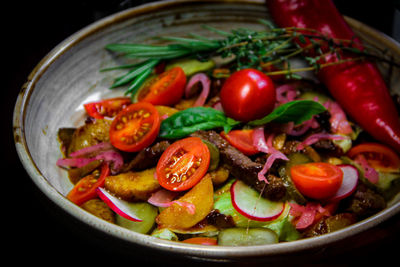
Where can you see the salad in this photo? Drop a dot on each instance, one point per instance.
(223, 142)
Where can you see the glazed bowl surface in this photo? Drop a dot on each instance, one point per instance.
(69, 76)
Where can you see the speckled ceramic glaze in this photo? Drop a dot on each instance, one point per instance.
(69, 76)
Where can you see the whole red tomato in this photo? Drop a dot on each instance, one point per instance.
(247, 95)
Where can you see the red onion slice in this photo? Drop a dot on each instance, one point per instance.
(306, 214)
(162, 198)
(338, 120)
(89, 151)
(266, 147)
(113, 157)
(369, 172)
(205, 82)
(312, 139)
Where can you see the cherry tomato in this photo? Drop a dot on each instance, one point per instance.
(85, 189)
(165, 89)
(247, 95)
(207, 241)
(183, 164)
(378, 156)
(242, 140)
(135, 127)
(317, 180)
(107, 107)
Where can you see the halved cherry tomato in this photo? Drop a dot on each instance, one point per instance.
(85, 189)
(247, 95)
(183, 164)
(107, 107)
(135, 127)
(242, 140)
(378, 156)
(165, 89)
(207, 241)
(318, 180)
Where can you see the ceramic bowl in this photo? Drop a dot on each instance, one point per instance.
(69, 75)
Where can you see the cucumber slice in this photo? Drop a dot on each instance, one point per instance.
(247, 237)
(165, 233)
(191, 66)
(144, 211)
(214, 155)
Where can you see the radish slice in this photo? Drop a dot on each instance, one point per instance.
(249, 203)
(205, 82)
(119, 206)
(349, 182)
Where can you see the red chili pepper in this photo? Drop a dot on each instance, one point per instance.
(357, 85)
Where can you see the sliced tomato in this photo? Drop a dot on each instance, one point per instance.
(242, 140)
(135, 127)
(378, 156)
(107, 107)
(85, 189)
(317, 180)
(206, 241)
(165, 89)
(183, 164)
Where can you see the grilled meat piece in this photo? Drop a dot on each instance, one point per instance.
(242, 167)
(147, 158)
(365, 202)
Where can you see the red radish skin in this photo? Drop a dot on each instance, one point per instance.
(117, 205)
(349, 182)
(239, 204)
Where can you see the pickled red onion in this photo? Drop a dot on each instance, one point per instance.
(205, 82)
(306, 214)
(164, 198)
(111, 156)
(369, 172)
(92, 150)
(338, 120)
(312, 139)
(266, 146)
(285, 93)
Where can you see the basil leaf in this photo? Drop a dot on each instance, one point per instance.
(191, 120)
(297, 111)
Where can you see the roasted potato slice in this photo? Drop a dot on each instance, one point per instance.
(100, 209)
(219, 176)
(179, 216)
(133, 186)
(89, 134)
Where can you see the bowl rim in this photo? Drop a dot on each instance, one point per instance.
(190, 250)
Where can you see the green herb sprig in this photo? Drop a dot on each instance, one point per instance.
(247, 48)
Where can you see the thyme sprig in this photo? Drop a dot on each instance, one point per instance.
(248, 48)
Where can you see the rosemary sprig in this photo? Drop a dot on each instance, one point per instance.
(248, 48)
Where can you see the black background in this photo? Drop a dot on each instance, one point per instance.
(36, 231)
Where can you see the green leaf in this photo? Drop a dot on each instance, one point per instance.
(135, 85)
(297, 111)
(190, 120)
(131, 75)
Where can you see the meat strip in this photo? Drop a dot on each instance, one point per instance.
(147, 158)
(242, 167)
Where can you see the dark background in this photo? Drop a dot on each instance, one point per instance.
(39, 231)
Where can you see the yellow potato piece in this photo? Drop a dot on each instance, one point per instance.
(179, 216)
(133, 186)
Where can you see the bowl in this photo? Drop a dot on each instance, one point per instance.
(69, 75)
